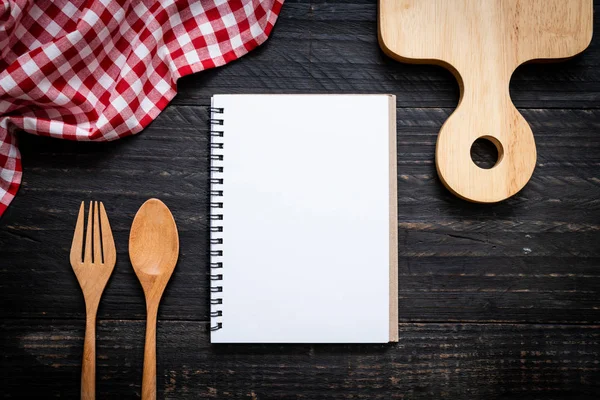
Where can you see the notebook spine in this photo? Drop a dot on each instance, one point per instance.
(216, 216)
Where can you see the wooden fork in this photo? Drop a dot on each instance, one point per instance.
(99, 257)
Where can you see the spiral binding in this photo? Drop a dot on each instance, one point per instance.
(216, 215)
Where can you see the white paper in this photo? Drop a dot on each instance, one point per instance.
(305, 219)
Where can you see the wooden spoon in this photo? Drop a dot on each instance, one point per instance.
(153, 250)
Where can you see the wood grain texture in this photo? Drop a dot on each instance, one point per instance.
(499, 301)
(434, 360)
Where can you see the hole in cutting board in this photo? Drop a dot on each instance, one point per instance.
(486, 152)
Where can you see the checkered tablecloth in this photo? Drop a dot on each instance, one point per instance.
(102, 70)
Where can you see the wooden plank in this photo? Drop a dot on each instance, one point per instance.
(444, 276)
(429, 361)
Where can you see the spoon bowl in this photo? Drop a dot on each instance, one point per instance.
(154, 241)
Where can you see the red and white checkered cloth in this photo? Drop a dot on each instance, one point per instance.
(102, 70)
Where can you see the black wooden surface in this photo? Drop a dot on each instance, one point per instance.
(496, 301)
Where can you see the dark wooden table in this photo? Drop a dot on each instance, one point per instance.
(496, 301)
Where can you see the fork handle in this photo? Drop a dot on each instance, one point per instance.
(88, 364)
(149, 375)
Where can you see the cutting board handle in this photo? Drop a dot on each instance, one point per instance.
(485, 111)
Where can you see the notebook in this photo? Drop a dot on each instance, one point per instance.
(303, 219)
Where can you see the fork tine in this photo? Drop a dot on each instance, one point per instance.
(108, 243)
(97, 243)
(77, 245)
(87, 258)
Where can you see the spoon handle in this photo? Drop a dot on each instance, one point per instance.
(149, 375)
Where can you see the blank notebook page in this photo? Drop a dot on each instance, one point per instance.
(305, 219)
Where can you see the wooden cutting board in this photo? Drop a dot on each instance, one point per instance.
(482, 42)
